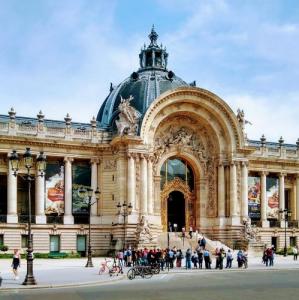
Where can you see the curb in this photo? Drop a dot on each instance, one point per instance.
(66, 285)
(124, 276)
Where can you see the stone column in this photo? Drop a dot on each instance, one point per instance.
(40, 217)
(233, 194)
(131, 181)
(265, 222)
(150, 208)
(157, 192)
(244, 191)
(297, 197)
(68, 209)
(12, 211)
(281, 198)
(143, 183)
(221, 192)
(94, 186)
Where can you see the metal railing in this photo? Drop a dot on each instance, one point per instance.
(25, 218)
(52, 219)
(274, 223)
(3, 218)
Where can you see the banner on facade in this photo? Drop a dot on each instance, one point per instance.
(81, 179)
(254, 197)
(54, 179)
(272, 198)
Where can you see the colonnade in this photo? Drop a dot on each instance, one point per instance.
(146, 204)
(40, 217)
(232, 193)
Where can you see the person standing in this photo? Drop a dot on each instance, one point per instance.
(190, 232)
(203, 243)
(16, 263)
(207, 259)
(229, 259)
(188, 258)
(295, 252)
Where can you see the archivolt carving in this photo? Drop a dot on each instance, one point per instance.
(212, 180)
(177, 184)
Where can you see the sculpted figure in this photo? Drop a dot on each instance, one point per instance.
(128, 118)
(143, 231)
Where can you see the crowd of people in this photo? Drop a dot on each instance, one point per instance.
(170, 258)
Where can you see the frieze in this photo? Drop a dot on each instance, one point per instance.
(110, 164)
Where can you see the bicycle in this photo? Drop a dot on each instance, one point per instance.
(104, 267)
(142, 271)
(115, 269)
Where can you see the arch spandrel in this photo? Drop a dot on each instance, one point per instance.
(198, 102)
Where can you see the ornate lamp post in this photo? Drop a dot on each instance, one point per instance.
(124, 210)
(286, 213)
(84, 193)
(41, 167)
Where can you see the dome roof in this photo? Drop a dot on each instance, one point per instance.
(145, 85)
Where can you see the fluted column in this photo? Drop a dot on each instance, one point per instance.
(94, 185)
(281, 193)
(150, 208)
(244, 190)
(12, 210)
(40, 217)
(68, 209)
(221, 191)
(143, 178)
(131, 181)
(233, 194)
(264, 205)
(297, 197)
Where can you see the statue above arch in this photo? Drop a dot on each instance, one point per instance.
(128, 118)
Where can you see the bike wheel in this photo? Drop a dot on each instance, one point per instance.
(131, 274)
(147, 273)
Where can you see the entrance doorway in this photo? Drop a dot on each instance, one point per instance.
(176, 211)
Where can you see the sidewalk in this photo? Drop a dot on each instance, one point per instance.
(72, 272)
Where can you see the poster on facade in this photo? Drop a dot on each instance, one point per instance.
(81, 179)
(254, 197)
(54, 180)
(272, 198)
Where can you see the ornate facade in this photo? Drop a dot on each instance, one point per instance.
(177, 153)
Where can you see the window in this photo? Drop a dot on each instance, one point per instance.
(81, 244)
(24, 240)
(1, 239)
(293, 241)
(54, 243)
(176, 167)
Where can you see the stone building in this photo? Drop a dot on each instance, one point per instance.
(177, 154)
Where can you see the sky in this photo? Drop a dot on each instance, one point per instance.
(59, 56)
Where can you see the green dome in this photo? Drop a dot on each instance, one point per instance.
(145, 85)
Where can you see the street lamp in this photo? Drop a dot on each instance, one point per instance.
(124, 210)
(41, 167)
(84, 193)
(286, 213)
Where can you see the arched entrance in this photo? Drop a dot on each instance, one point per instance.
(177, 195)
(176, 211)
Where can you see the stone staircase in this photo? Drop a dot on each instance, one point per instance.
(176, 239)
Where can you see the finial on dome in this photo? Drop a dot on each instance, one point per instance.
(153, 36)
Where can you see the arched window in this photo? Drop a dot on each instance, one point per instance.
(176, 167)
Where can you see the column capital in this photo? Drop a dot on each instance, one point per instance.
(132, 155)
(68, 159)
(143, 156)
(95, 160)
(282, 174)
(233, 163)
(244, 163)
(264, 173)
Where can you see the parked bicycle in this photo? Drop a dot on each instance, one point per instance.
(115, 269)
(142, 271)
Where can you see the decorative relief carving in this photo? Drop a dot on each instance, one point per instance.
(212, 192)
(128, 118)
(110, 164)
(143, 231)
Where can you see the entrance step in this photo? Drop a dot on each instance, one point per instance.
(176, 240)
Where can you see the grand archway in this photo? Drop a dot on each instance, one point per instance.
(177, 195)
(176, 211)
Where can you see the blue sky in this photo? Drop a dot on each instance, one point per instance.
(60, 56)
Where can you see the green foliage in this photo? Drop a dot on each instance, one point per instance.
(281, 251)
(3, 248)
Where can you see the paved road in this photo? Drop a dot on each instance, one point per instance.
(240, 284)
